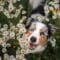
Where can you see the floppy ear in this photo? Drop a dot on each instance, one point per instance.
(51, 29)
(28, 23)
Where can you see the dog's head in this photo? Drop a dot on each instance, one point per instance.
(38, 35)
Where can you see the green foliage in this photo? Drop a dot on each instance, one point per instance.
(14, 46)
(14, 43)
(27, 6)
(3, 19)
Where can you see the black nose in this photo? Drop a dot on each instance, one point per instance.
(33, 39)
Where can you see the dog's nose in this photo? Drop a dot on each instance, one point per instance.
(33, 39)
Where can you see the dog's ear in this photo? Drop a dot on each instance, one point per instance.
(51, 30)
(28, 23)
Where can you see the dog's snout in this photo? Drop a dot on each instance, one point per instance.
(33, 39)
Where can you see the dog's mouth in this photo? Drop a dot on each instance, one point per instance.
(32, 46)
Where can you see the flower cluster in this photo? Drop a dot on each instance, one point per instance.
(11, 11)
(13, 37)
(53, 6)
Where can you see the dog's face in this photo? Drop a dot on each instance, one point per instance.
(37, 36)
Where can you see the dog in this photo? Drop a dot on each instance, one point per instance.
(38, 33)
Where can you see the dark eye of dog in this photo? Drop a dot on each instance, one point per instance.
(42, 33)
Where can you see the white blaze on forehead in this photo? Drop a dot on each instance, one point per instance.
(40, 25)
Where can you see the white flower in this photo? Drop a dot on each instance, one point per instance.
(21, 21)
(12, 34)
(17, 12)
(23, 50)
(51, 8)
(5, 33)
(23, 43)
(17, 56)
(54, 17)
(21, 56)
(4, 38)
(46, 7)
(18, 37)
(8, 45)
(11, 7)
(22, 30)
(19, 25)
(56, 1)
(2, 2)
(4, 44)
(6, 13)
(40, 18)
(21, 7)
(46, 12)
(47, 19)
(5, 26)
(11, 24)
(1, 8)
(51, 3)
(12, 28)
(11, 16)
(23, 12)
(4, 50)
(2, 29)
(56, 6)
(53, 42)
(18, 51)
(12, 57)
(14, 1)
(24, 17)
(6, 56)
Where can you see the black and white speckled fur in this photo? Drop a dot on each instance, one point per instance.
(37, 6)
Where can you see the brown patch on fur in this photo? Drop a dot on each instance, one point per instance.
(28, 33)
(43, 40)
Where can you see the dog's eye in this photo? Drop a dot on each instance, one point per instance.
(42, 33)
